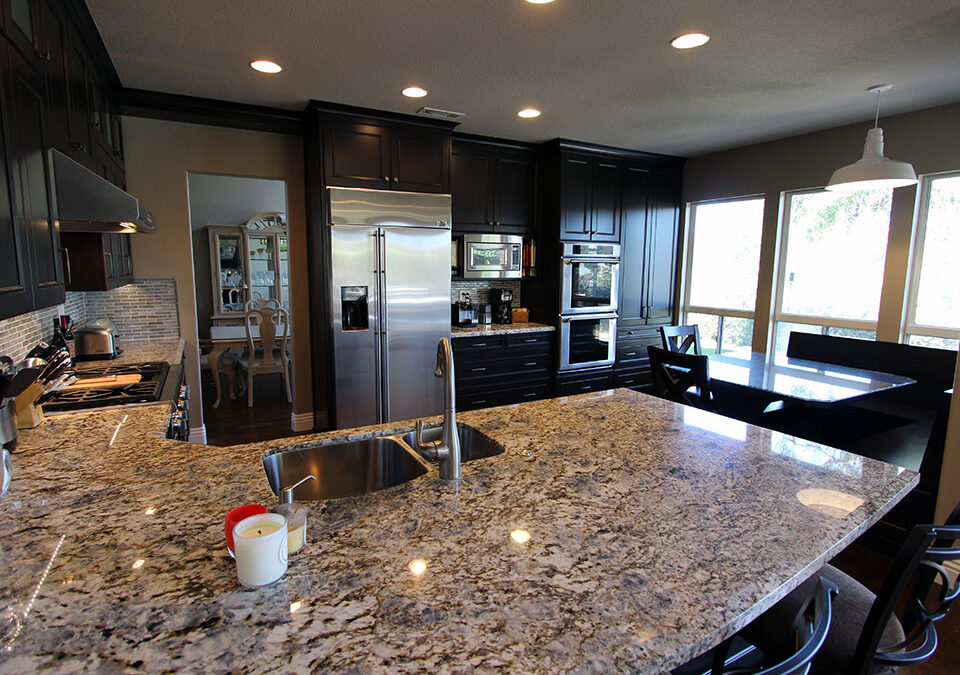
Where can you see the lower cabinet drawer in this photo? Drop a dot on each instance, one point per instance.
(488, 399)
(638, 379)
(582, 385)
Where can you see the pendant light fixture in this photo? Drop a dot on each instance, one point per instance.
(873, 171)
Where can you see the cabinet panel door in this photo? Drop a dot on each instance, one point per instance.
(634, 222)
(15, 296)
(606, 201)
(663, 225)
(79, 107)
(357, 155)
(29, 110)
(575, 198)
(22, 25)
(471, 190)
(515, 194)
(420, 160)
(54, 40)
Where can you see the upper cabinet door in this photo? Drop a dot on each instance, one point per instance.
(663, 223)
(80, 146)
(357, 155)
(515, 190)
(633, 268)
(606, 201)
(15, 294)
(421, 159)
(21, 21)
(575, 196)
(26, 97)
(53, 46)
(470, 187)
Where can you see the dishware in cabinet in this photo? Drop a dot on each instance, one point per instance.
(228, 276)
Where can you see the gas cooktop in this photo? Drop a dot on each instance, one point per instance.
(103, 394)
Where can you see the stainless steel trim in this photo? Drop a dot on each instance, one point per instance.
(512, 243)
(378, 329)
(388, 208)
(384, 402)
(88, 203)
(565, 322)
(566, 286)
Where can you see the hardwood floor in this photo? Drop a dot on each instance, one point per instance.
(233, 422)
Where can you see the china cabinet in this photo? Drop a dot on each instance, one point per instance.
(248, 262)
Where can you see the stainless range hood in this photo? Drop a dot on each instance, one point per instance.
(88, 203)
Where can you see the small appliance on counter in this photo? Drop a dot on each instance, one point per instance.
(463, 313)
(485, 313)
(97, 339)
(502, 305)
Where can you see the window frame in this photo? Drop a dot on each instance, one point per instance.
(908, 323)
(720, 312)
(777, 315)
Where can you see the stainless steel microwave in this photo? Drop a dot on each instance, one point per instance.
(492, 256)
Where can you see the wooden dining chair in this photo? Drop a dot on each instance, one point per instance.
(870, 636)
(271, 356)
(681, 338)
(682, 378)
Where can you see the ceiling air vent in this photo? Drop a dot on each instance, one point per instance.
(449, 115)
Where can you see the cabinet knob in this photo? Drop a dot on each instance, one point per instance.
(386, 178)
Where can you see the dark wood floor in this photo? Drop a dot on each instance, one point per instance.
(869, 568)
(233, 422)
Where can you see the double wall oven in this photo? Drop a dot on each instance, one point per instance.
(590, 294)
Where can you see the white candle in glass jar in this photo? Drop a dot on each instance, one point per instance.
(260, 546)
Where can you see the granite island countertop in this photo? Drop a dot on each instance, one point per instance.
(645, 521)
(500, 329)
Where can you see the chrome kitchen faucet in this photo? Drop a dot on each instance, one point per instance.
(447, 449)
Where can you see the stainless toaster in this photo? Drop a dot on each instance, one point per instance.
(96, 340)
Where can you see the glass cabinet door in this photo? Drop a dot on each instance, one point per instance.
(229, 254)
(284, 273)
(263, 266)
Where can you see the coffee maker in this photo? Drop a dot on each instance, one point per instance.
(463, 313)
(502, 301)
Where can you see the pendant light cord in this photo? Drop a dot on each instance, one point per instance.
(876, 117)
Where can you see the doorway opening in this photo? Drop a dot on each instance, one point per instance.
(242, 281)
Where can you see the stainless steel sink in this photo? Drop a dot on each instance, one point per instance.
(473, 444)
(344, 469)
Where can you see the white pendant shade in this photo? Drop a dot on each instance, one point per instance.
(873, 170)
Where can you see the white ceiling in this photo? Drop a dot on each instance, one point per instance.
(601, 70)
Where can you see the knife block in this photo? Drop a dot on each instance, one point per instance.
(29, 414)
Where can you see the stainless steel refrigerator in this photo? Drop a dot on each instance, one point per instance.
(390, 288)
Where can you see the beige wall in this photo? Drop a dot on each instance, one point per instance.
(158, 155)
(929, 139)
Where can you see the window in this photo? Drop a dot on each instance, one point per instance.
(933, 309)
(832, 255)
(722, 267)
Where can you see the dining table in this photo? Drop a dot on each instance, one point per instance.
(223, 338)
(792, 380)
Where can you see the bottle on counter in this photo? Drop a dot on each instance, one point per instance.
(66, 327)
(296, 515)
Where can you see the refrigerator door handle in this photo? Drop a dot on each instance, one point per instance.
(384, 361)
(376, 326)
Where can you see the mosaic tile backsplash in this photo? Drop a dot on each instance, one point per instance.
(480, 290)
(145, 309)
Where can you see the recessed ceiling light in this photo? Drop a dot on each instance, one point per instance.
(414, 92)
(528, 113)
(689, 40)
(539, 2)
(265, 66)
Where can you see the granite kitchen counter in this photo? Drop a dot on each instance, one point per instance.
(655, 530)
(500, 329)
(168, 350)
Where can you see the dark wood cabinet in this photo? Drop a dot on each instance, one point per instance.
(650, 220)
(21, 23)
(493, 189)
(590, 194)
(25, 99)
(569, 384)
(16, 295)
(386, 156)
(503, 369)
(97, 261)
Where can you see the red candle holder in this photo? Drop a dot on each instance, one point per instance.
(234, 516)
